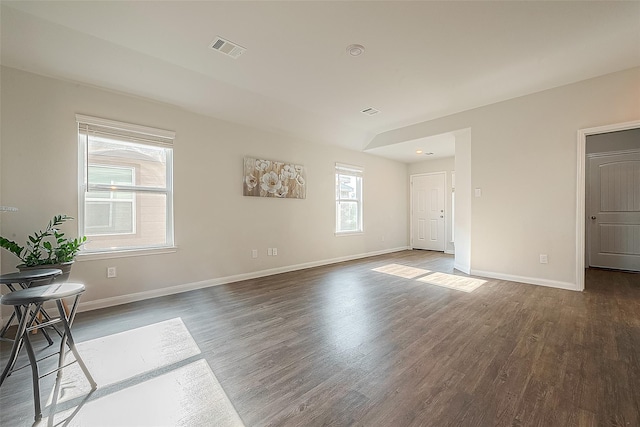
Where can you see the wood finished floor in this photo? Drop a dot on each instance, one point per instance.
(368, 343)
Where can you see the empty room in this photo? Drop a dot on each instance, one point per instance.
(309, 213)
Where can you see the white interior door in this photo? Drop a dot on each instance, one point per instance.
(427, 211)
(614, 211)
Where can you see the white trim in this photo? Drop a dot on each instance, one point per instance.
(580, 190)
(139, 296)
(348, 233)
(125, 253)
(523, 279)
(350, 169)
(144, 130)
(461, 267)
(450, 252)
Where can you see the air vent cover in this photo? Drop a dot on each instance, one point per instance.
(228, 48)
(370, 111)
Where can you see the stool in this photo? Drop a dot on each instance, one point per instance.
(26, 279)
(27, 303)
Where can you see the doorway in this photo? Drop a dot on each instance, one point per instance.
(581, 202)
(613, 208)
(428, 211)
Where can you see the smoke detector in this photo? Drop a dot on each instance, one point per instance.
(226, 47)
(355, 49)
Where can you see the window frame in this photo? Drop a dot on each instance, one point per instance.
(124, 133)
(356, 172)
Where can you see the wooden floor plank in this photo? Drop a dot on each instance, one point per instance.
(371, 342)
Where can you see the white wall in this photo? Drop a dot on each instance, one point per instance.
(524, 159)
(462, 215)
(215, 226)
(447, 165)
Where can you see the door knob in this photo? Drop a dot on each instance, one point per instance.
(593, 217)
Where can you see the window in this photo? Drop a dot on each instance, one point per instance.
(348, 199)
(110, 212)
(125, 185)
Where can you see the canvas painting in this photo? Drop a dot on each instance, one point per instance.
(268, 178)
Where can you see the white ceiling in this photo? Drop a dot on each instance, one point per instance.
(423, 60)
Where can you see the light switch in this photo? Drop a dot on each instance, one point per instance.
(478, 192)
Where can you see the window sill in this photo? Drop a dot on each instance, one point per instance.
(348, 233)
(125, 253)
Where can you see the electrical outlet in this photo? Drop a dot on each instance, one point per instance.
(254, 253)
(275, 251)
(270, 251)
(111, 272)
(544, 259)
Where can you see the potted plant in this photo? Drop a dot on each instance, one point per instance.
(48, 248)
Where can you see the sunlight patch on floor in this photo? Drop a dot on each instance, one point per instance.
(403, 271)
(187, 396)
(148, 376)
(118, 357)
(451, 281)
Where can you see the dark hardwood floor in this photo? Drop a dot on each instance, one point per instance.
(393, 340)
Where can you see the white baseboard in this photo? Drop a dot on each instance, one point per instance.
(139, 296)
(449, 252)
(523, 279)
(459, 267)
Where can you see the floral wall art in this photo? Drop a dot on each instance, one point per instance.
(268, 178)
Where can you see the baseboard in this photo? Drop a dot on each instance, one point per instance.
(139, 296)
(459, 267)
(449, 252)
(523, 279)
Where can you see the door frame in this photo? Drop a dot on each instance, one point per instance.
(446, 210)
(581, 208)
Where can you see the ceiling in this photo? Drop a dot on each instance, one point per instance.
(423, 60)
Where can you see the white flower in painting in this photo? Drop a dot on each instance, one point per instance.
(282, 192)
(299, 168)
(288, 172)
(271, 182)
(300, 180)
(262, 165)
(251, 181)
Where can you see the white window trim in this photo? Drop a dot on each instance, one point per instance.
(358, 172)
(125, 253)
(134, 133)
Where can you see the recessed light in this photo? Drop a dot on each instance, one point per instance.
(355, 49)
(418, 151)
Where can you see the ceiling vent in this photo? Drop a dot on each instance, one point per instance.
(228, 48)
(370, 111)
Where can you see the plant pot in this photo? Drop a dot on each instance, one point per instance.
(65, 267)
